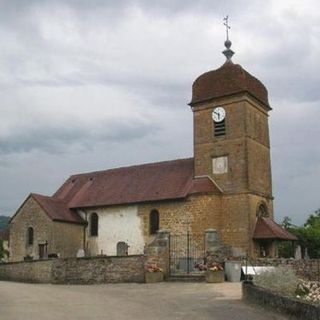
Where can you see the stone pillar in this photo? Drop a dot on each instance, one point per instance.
(298, 253)
(158, 252)
(214, 250)
(211, 240)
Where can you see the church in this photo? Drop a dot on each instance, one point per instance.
(225, 186)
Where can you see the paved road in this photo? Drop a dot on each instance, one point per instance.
(185, 301)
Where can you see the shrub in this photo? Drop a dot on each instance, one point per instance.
(280, 279)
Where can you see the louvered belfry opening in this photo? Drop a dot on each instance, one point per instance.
(219, 128)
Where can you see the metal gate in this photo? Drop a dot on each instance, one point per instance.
(186, 253)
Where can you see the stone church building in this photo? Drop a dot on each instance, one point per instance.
(225, 186)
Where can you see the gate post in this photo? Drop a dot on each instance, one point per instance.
(214, 250)
(211, 241)
(158, 251)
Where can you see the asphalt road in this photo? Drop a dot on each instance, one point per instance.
(196, 301)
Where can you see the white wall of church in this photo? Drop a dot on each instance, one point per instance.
(116, 224)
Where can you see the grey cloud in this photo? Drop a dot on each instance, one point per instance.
(273, 41)
(61, 139)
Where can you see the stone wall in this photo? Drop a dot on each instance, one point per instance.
(29, 215)
(294, 308)
(246, 144)
(305, 269)
(76, 270)
(62, 238)
(197, 213)
(28, 271)
(98, 270)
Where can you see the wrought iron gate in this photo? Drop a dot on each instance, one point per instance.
(186, 253)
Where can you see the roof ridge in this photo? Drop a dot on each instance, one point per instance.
(148, 164)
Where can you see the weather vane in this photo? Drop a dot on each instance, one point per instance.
(227, 52)
(226, 23)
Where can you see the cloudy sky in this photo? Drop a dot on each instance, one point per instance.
(89, 85)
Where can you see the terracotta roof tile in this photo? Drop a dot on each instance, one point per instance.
(142, 183)
(229, 79)
(266, 228)
(56, 209)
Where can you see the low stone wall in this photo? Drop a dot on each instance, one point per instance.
(86, 270)
(306, 269)
(290, 306)
(98, 270)
(27, 271)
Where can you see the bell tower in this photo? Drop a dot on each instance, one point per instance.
(231, 143)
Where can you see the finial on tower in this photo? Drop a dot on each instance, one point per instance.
(227, 52)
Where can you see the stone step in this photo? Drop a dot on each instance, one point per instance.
(186, 278)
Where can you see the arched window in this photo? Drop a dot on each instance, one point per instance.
(154, 221)
(262, 211)
(30, 236)
(94, 223)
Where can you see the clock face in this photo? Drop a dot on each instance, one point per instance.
(218, 114)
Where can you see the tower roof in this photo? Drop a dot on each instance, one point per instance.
(228, 80)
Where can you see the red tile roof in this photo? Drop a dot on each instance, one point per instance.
(142, 183)
(266, 228)
(229, 79)
(56, 209)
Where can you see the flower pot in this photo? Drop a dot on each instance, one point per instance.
(215, 276)
(152, 277)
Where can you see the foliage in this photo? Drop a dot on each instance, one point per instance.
(153, 267)
(4, 220)
(214, 266)
(308, 236)
(280, 279)
(3, 252)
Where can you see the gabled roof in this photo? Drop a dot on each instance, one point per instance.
(266, 228)
(141, 183)
(159, 181)
(56, 209)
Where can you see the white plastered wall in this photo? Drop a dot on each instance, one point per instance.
(116, 224)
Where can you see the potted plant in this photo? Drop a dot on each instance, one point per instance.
(215, 273)
(153, 273)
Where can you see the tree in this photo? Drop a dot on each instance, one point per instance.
(308, 235)
(3, 252)
(287, 222)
